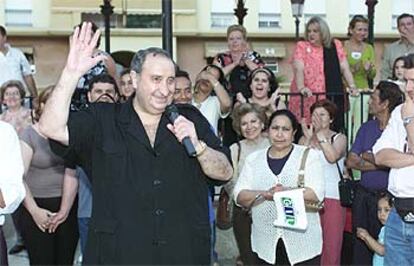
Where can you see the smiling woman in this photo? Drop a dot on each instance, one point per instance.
(12, 96)
(248, 121)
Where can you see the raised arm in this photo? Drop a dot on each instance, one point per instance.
(53, 122)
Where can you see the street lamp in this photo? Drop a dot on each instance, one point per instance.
(240, 11)
(371, 10)
(297, 11)
(107, 10)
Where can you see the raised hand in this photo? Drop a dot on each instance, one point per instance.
(273, 98)
(307, 131)
(240, 98)
(82, 45)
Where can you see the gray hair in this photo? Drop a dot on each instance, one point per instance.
(323, 28)
(139, 58)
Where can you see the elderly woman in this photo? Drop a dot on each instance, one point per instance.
(361, 59)
(331, 147)
(319, 64)
(274, 169)
(12, 95)
(237, 64)
(249, 121)
(263, 91)
(44, 174)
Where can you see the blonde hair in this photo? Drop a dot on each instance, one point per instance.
(236, 27)
(323, 29)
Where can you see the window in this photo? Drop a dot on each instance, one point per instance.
(143, 21)
(399, 7)
(269, 14)
(314, 8)
(357, 7)
(222, 13)
(132, 20)
(18, 13)
(272, 64)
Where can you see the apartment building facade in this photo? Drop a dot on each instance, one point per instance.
(41, 28)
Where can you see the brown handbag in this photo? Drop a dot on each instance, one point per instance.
(223, 216)
(311, 206)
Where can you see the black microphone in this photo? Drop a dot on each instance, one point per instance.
(172, 113)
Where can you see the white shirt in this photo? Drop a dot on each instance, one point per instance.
(11, 170)
(331, 174)
(211, 110)
(13, 65)
(400, 181)
(256, 175)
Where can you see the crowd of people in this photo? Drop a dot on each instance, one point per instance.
(105, 158)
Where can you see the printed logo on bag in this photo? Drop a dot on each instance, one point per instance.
(287, 204)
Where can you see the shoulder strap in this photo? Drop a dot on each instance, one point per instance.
(337, 165)
(238, 154)
(301, 176)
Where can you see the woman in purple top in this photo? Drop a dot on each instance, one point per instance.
(374, 178)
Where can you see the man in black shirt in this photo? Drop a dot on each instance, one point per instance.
(150, 203)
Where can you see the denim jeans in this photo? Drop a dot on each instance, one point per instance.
(83, 224)
(399, 241)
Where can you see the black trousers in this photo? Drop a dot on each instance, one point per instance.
(364, 214)
(3, 248)
(242, 231)
(283, 260)
(51, 249)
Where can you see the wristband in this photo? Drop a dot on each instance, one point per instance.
(202, 149)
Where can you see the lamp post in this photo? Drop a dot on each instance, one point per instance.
(297, 11)
(167, 26)
(371, 10)
(240, 11)
(107, 10)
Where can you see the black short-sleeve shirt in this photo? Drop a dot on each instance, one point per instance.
(150, 204)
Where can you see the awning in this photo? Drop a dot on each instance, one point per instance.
(265, 49)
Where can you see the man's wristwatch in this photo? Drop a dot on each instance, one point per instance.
(408, 120)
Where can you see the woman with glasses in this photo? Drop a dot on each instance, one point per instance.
(12, 95)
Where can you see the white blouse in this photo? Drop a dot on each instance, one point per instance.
(11, 170)
(257, 175)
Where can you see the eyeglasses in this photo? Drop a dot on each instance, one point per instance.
(14, 93)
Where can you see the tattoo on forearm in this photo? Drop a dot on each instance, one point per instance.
(215, 164)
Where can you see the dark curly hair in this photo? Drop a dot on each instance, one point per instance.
(273, 84)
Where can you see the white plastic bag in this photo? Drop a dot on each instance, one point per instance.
(290, 207)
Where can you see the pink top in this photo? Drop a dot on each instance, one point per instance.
(19, 120)
(314, 76)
